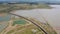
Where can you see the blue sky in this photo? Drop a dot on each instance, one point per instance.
(21, 0)
(30, 0)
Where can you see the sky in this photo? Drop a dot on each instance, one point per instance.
(24, 0)
(30, 0)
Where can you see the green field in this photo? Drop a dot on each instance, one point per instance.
(21, 28)
(25, 30)
(19, 22)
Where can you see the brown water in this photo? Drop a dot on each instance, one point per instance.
(51, 15)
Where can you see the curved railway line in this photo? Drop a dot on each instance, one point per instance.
(28, 20)
(8, 10)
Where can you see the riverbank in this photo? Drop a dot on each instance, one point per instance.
(31, 6)
(51, 15)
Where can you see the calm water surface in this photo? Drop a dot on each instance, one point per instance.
(51, 15)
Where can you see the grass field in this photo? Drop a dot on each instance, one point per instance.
(28, 27)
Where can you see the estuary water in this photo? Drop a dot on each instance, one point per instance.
(50, 15)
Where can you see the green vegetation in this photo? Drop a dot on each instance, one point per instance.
(3, 6)
(33, 6)
(19, 22)
(10, 32)
(27, 28)
(9, 7)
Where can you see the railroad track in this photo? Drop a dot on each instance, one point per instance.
(31, 22)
